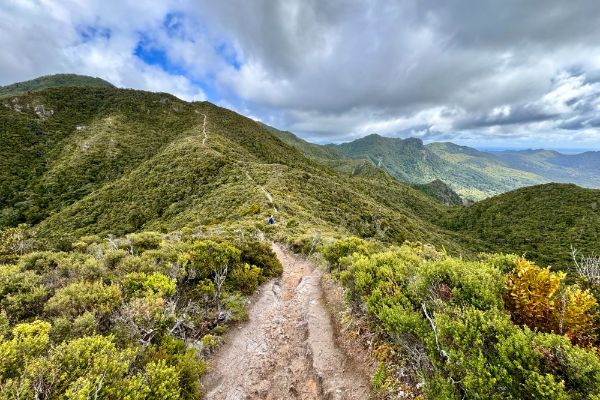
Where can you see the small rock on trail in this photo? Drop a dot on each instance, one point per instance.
(286, 350)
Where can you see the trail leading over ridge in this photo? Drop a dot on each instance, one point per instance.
(264, 191)
(204, 130)
(287, 348)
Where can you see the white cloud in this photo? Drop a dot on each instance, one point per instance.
(337, 69)
(42, 37)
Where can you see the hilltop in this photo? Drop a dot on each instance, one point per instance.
(52, 81)
(541, 222)
(112, 161)
(472, 174)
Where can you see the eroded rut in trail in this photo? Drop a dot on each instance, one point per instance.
(286, 350)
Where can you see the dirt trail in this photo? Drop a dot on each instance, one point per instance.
(204, 130)
(264, 191)
(286, 350)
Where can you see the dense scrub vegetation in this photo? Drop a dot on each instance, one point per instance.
(441, 192)
(121, 318)
(112, 161)
(496, 328)
(543, 222)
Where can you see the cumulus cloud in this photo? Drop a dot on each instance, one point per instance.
(87, 37)
(510, 72)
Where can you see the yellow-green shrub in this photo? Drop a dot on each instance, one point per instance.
(538, 298)
(141, 284)
(80, 297)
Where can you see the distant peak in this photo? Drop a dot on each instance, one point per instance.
(52, 81)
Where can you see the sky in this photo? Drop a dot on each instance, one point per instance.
(483, 73)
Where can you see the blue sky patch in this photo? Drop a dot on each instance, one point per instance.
(153, 54)
(229, 54)
(173, 24)
(88, 33)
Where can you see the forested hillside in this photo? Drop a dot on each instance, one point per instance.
(541, 222)
(472, 176)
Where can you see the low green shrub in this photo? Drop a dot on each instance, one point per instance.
(121, 312)
(336, 252)
(139, 284)
(245, 278)
(450, 321)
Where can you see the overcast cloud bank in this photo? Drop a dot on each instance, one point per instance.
(487, 73)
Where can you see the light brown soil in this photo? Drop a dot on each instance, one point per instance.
(287, 348)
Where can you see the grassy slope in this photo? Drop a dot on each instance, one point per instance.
(51, 81)
(115, 161)
(540, 221)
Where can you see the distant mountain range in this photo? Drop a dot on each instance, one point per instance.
(471, 173)
(582, 169)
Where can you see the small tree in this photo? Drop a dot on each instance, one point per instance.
(587, 266)
(16, 240)
(209, 259)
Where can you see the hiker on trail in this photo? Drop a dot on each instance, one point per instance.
(271, 220)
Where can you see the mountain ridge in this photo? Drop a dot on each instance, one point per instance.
(113, 161)
(472, 173)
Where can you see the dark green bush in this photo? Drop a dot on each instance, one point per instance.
(260, 254)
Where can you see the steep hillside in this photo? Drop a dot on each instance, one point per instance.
(112, 161)
(440, 191)
(51, 81)
(542, 222)
(471, 175)
(582, 169)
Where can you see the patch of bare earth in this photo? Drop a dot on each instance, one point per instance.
(287, 349)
